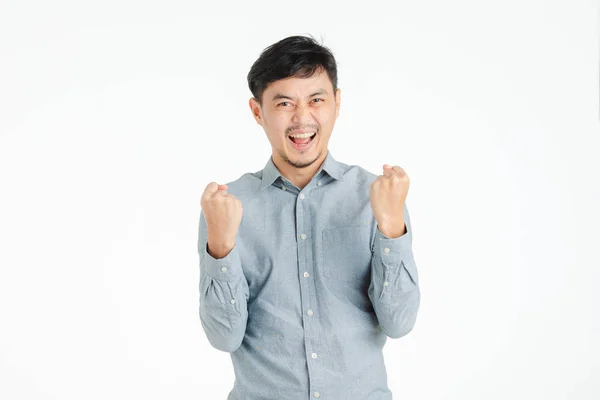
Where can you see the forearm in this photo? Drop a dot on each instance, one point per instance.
(223, 296)
(394, 288)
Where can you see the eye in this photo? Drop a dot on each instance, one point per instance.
(319, 99)
(283, 102)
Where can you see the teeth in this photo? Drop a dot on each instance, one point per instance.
(303, 135)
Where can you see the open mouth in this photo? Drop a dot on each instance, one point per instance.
(302, 143)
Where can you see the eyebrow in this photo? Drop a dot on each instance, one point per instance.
(282, 96)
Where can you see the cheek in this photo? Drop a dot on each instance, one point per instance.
(325, 116)
(277, 124)
(281, 124)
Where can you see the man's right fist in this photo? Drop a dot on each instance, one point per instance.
(223, 214)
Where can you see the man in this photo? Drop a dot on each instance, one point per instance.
(306, 267)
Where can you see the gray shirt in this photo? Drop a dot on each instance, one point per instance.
(306, 299)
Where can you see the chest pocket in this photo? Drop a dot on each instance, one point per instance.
(346, 253)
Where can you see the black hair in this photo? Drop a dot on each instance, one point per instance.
(298, 56)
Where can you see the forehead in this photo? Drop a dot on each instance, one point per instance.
(301, 87)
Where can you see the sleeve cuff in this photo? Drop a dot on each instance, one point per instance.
(393, 250)
(228, 268)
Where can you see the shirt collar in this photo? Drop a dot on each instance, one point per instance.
(271, 173)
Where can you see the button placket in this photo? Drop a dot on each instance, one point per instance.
(304, 262)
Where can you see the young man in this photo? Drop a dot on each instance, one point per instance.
(305, 288)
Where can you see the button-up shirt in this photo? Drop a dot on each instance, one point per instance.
(305, 300)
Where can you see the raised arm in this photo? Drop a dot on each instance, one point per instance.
(394, 288)
(223, 287)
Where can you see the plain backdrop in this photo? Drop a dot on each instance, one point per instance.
(115, 115)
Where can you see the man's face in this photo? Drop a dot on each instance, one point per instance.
(295, 105)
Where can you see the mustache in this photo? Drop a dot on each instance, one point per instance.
(295, 128)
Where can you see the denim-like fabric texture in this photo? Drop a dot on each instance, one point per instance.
(306, 299)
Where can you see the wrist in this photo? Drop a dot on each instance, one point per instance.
(220, 249)
(392, 229)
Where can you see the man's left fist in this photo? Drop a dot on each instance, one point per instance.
(388, 195)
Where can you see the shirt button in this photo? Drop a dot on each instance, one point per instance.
(387, 250)
(232, 301)
(283, 187)
(223, 269)
(386, 283)
(314, 355)
(306, 274)
(302, 195)
(319, 183)
(316, 394)
(303, 236)
(309, 312)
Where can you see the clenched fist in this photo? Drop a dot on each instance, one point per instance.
(387, 196)
(223, 214)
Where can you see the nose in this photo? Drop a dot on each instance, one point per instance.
(301, 115)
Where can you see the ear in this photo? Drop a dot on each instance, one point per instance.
(338, 101)
(256, 110)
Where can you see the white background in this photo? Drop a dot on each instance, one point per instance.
(114, 116)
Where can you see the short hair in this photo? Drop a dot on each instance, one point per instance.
(298, 56)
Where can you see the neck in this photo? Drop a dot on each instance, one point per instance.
(300, 177)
